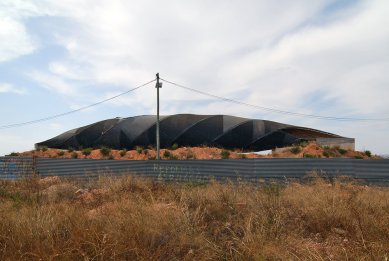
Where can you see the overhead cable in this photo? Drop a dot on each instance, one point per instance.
(73, 111)
(321, 117)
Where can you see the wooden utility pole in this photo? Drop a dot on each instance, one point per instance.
(158, 85)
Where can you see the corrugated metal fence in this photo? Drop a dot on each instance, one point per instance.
(370, 171)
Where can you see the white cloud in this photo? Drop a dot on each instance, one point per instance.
(9, 88)
(15, 40)
(282, 54)
(53, 83)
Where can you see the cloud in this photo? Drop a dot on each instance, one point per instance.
(15, 40)
(53, 83)
(9, 88)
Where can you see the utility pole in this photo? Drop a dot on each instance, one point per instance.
(158, 85)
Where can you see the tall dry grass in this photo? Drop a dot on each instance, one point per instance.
(134, 219)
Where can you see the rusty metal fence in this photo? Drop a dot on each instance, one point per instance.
(369, 171)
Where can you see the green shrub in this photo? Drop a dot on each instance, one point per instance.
(368, 153)
(105, 151)
(242, 156)
(70, 150)
(303, 144)
(139, 149)
(358, 157)
(87, 151)
(174, 146)
(61, 153)
(44, 148)
(74, 155)
(173, 157)
(123, 152)
(328, 152)
(307, 155)
(166, 154)
(13, 154)
(110, 157)
(342, 151)
(225, 154)
(295, 149)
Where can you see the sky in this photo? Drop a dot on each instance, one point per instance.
(321, 57)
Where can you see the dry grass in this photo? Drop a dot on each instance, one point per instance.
(134, 219)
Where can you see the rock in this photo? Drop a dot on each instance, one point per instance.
(338, 231)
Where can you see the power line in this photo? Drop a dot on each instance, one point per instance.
(274, 110)
(73, 111)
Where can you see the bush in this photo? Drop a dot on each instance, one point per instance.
(225, 154)
(70, 150)
(139, 149)
(174, 146)
(110, 157)
(307, 155)
(74, 155)
(13, 154)
(123, 152)
(295, 149)
(61, 153)
(166, 154)
(44, 148)
(145, 151)
(87, 151)
(328, 152)
(358, 157)
(242, 156)
(105, 151)
(368, 153)
(342, 151)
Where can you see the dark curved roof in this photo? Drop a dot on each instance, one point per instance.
(185, 130)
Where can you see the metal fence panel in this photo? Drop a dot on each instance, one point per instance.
(202, 170)
(12, 168)
(371, 171)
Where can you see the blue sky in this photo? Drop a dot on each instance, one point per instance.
(315, 57)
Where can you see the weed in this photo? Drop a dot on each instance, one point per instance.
(307, 155)
(70, 150)
(130, 218)
(110, 157)
(123, 152)
(61, 153)
(342, 151)
(105, 151)
(74, 155)
(295, 149)
(139, 149)
(44, 148)
(174, 146)
(225, 154)
(166, 154)
(87, 151)
(145, 151)
(242, 156)
(358, 157)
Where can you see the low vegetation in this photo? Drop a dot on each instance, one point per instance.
(135, 219)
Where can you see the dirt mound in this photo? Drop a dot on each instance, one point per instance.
(303, 150)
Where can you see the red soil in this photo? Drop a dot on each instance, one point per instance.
(186, 153)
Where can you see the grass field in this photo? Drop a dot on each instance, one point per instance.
(134, 219)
